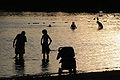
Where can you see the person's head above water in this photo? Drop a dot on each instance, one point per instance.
(44, 31)
(73, 22)
(23, 32)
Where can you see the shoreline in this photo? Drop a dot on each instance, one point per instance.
(115, 74)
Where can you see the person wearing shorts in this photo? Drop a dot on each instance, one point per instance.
(19, 44)
(45, 42)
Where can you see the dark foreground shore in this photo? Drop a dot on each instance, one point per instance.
(106, 75)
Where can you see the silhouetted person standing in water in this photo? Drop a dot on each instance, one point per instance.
(45, 42)
(73, 26)
(19, 43)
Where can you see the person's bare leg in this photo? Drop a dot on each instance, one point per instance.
(21, 56)
(43, 60)
(47, 57)
(16, 55)
(44, 56)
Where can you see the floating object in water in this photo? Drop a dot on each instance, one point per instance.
(88, 21)
(66, 22)
(49, 25)
(105, 21)
(53, 22)
(35, 23)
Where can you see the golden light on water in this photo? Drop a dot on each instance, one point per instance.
(96, 50)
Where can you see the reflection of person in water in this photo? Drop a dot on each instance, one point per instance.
(73, 26)
(20, 40)
(45, 42)
(19, 66)
(44, 66)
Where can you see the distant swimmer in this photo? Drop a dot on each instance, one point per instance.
(100, 26)
(49, 25)
(100, 13)
(73, 26)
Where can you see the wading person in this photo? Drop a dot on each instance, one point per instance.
(45, 42)
(100, 26)
(19, 44)
(73, 26)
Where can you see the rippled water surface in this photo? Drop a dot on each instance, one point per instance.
(96, 50)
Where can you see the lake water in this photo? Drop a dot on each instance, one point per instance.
(96, 50)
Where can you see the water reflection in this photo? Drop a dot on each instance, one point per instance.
(19, 66)
(45, 65)
(96, 49)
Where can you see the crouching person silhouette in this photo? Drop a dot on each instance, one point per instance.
(45, 42)
(19, 44)
(67, 61)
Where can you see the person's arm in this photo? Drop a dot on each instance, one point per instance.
(41, 40)
(14, 41)
(25, 39)
(50, 40)
(71, 26)
(58, 56)
(75, 26)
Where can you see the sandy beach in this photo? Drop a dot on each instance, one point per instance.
(107, 75)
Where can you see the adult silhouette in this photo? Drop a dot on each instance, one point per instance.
(19, 44)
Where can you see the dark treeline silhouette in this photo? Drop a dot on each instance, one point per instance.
(59, 9)
(60, 5)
